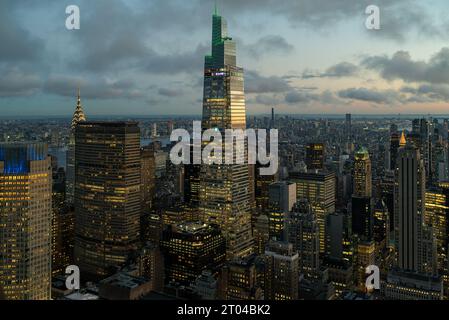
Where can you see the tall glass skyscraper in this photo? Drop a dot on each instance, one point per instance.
(107, 195)
(25, 221)
(224, 189)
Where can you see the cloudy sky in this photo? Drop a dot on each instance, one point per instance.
(145, 57)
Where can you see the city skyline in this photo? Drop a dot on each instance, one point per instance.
(314, 57)
(346, 208)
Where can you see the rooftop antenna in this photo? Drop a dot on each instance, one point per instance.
(216, 8)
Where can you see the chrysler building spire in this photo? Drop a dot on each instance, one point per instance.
(79, 115)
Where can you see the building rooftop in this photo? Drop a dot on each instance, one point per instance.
(124, 280)
(78, 296)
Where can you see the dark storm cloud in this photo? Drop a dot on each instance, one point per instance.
(343, 69)
(370, 95)
(256, 83)
(340, 70)
(116, 36)
(270, 44)
(266, 99)
(306, 97)
(398, 18)
(428, 93)
(15, 83)
(166, 92)
(109, 45)
(299, 97)
(402, 66)
(92, 88)
(175, 63)
(16, 43)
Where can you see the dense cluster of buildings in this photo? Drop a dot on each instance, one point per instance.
(348, 195)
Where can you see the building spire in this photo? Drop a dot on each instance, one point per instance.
(79, 115)
(216, 9)
(403, 140)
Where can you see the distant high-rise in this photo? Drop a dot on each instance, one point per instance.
(261, 233)
(63, 239)
(394, 147)
(361, 202)
(387, 186)
(25, 221)
(362, 174)
(107, 194)
(381, 226)
(225, 195)
(154, 133)
(319, 189)
(362, 212)
(148, 173)
(239, 280)
(281, 271)
(147, 191)
(78, 117)
(262, 184)
(315, 156)
(338, 234)
(302, 231)
(282, 198)
(422, 136)
(189, 249)
(339, 257)
(192, 182)
(437, 216)
(348, 126)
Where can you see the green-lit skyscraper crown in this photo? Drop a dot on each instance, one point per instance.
(223, 47)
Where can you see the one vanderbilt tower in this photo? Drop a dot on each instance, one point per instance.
(224, 189)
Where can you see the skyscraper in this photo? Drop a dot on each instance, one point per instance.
(362, 174)
(381, 226)
(282, 197)
(362, 212)
(281, 271)
(239, 280)
(437, 216)
(394, 147)
(148, 167)
(410, 204)
(192, 182)
(25, 221)
(303, 233)
(262, 184)
(107, 194)
(319, 189)
(224, 189)
(339, 258)
(78, 117)
(190, 248)
(348, 126)
(315, 154)
(361, 202)
(147, 190)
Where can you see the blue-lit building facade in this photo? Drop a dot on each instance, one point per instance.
(25, 221)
